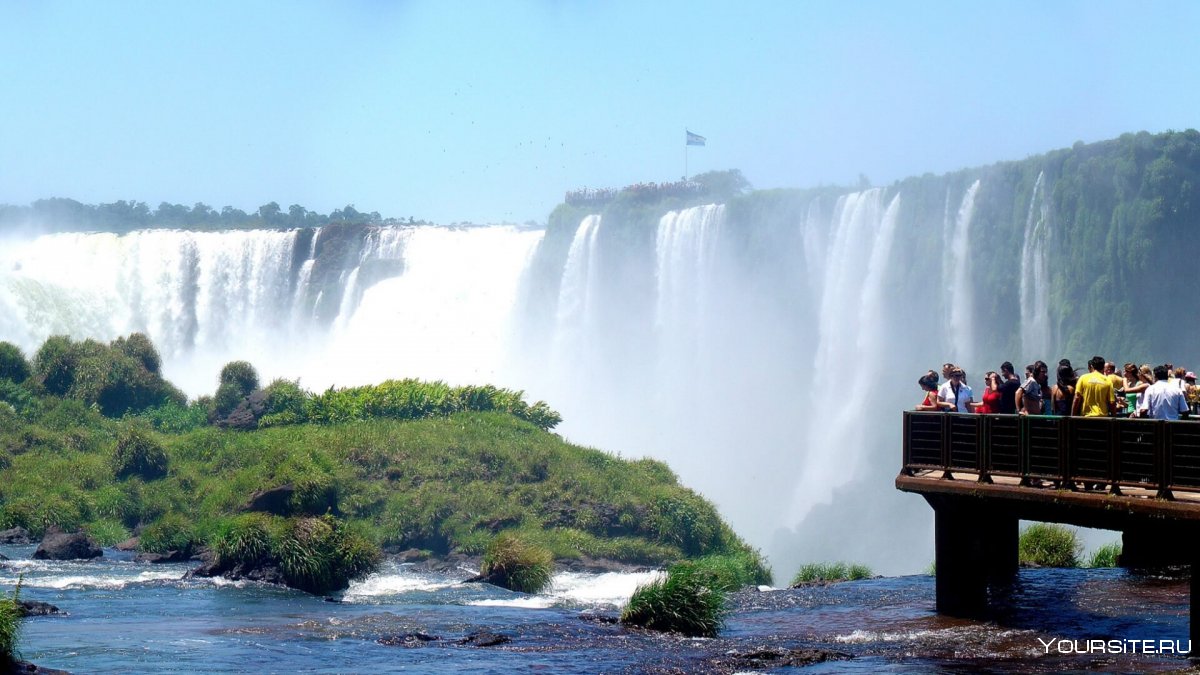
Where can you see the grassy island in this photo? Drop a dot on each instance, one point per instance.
(92, 438)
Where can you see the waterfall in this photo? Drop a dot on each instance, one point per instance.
(684, 250)
(575, 316)
(960, 292)
(1035, 276)
(852, 339)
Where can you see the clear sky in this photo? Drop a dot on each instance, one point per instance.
(490, 111)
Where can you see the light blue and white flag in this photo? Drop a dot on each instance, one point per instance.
(694, 139)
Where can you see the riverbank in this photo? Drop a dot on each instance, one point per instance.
(125, 616)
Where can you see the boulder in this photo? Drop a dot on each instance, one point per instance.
(129, 544)
(17, 535)
(276, 501)
(35, 608)
(168, 557)
(63, 546)
(408, 639)
(484, 639)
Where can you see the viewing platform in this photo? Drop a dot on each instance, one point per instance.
(982, 474)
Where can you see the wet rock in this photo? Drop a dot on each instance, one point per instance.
(484, 639)
(779, 657)
(265, 572)
(35, 608)
(168, 557)
(16, 535)
(3, 557)
(26, 668)
(413, 639)
(129, 544)
(64, 546)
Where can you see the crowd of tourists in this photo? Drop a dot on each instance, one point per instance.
(1160, 392)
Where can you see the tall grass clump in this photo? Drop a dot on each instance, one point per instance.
(733, 571)
(835, 571)
(317, 555)
(138, 454)
(10, 627)
(1049, 545)
(1105, 556)
(685, 601)
(512, 563)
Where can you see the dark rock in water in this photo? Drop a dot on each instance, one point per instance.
(266, 573)
(63, 546)
(129, 544)
(35, 608)
(484, 639)
(594, 617)
(168, 557)
(17, 535)
(26, 668)
(778, 657)
(413, 639)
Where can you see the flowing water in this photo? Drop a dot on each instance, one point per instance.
(124, 616)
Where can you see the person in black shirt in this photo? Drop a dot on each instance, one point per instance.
(1009, 384)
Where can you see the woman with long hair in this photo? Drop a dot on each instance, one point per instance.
(1064, 391)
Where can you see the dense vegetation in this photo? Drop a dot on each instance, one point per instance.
(10, 628)
(1049, 545)
(836, 571)
(404, 464)
(67, 215)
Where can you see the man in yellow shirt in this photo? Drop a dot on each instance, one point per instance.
(1093, 392)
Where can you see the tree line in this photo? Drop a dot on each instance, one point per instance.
(60, 214)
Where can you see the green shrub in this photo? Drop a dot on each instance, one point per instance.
(172, 532)
(1049, 545)
(733, 571)
(175, 418)
(106, 532)
(1105, 556)
(10, 627)
(22, 401)
(837, 571)
(286, 403)
(684, 601)
(245, 540)
(103, 375)
(13, 366)
(512, 563)
(139, 348)
(238, 380)
(138, 454)
(317, 555)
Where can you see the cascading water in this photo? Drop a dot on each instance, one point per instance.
(1035, 294)
(851, 339)
(762, 356)
(960, 292)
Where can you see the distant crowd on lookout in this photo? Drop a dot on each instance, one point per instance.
(1160, 392)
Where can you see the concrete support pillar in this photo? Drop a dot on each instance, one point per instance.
(1158, 545)
(961, 558)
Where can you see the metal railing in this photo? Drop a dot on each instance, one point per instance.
(1150, 454)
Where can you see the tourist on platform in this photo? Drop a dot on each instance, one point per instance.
(1029, 396)
(1064, 391)
(929, 385)
(1192, 392)
(990, 403)
(1180, 374)
(1009, 384)
(1110, 371)
(956, 392)
(1132, 387)
(1164, 400)
(1093, 392)
(1146, 377)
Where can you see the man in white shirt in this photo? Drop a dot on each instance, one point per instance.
(1163, 400)
(956, 392)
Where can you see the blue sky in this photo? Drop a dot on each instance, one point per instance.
(490, 111)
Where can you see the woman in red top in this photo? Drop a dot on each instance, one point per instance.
(928, 384)
(991, 395)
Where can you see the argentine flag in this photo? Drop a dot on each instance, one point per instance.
(694, 139)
